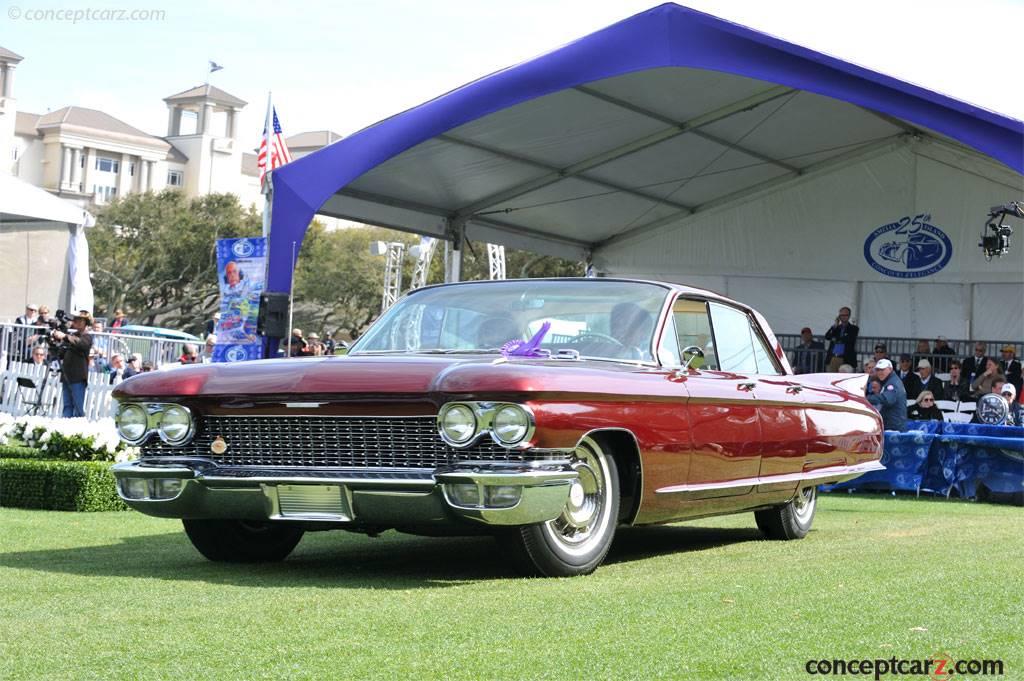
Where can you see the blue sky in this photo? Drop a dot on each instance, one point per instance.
(345, 64)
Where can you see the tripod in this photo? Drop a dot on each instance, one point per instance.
(25, 382)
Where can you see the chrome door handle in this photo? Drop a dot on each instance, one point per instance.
(794, 389)
(746, 387)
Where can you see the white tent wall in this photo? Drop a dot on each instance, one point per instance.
(796, 251)
(794, 303)
(35, 270)
(916, 310)
(998, 311)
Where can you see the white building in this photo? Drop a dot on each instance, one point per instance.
(90, 157)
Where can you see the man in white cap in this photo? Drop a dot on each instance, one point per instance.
(923, 380)
(1015, 417)
(891, 398)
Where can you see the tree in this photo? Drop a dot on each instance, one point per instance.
(339, 285)
(153, 255)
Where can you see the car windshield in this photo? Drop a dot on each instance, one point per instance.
(597, 318)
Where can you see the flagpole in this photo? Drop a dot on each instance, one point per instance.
(291, 303)
(268, 201)
(267, 188)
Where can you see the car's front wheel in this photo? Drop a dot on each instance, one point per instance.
(791, 521)
(577, 540)
(240, 541)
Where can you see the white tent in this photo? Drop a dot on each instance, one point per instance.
(43, 249)
(680, 146)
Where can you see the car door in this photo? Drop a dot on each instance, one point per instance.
(781, 410)
(725, 428)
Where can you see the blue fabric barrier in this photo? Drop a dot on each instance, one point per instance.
(948, 458)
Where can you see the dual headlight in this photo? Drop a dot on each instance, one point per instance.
(461, 423)
(172, 422)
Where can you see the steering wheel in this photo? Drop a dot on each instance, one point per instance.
(600, 337)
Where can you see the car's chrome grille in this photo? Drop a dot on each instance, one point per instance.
(329, 441)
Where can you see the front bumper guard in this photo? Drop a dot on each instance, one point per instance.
(491, 493)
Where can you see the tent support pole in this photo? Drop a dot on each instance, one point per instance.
(457, 233)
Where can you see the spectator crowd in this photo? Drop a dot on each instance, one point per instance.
(895, 381)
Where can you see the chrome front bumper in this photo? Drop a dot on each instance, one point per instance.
(480, 492)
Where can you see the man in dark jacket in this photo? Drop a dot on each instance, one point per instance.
(842, 348)
(891, 398)
(923, 380)
(1011, 367)
(975, 366)
(75, 364)
(808, 357)
(942, 348)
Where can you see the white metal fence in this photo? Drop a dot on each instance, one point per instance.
(17, 341)
(44, 397)
(39, 392)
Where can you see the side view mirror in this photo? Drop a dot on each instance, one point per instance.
(693, 357)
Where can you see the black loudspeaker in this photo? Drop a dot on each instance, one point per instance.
(273, 317)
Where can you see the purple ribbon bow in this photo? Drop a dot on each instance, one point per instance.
(529, 348)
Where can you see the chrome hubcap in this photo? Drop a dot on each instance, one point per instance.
(803, 504)
(584, 518)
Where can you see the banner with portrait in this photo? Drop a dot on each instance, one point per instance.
(241, 274)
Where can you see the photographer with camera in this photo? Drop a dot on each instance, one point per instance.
(73, 348)
(842, 337)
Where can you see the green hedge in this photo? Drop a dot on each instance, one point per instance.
(58, 485)
(20, 452)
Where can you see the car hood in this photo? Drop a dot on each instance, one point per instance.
(389, 375)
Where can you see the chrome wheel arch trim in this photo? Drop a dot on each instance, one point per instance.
(639, 458)
(597, 461)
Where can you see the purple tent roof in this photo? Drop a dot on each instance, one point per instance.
(665, 36)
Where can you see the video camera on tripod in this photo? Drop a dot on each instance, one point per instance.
(997, 243)
(61, 322)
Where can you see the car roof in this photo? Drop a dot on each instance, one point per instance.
(673, 287)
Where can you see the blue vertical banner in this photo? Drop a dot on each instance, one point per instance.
(241, 273)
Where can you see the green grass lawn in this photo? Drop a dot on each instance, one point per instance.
(122, 595)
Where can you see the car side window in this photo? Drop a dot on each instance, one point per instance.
(762, 355)
(693, 327)
(734, 342)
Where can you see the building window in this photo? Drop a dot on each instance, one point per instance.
(103, 193)
(131, 169)
(107, 165)
(14, 153)
(175, 178)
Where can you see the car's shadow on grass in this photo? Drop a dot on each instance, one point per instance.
(640, 543)
(341, 560)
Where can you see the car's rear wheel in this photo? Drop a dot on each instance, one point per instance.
(240, 541)
(577, 540)
(791, 521)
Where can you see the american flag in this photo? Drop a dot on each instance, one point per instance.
(279, 150)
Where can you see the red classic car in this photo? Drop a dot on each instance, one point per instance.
(543, 412)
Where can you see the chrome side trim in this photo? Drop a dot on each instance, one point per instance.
(817, 474)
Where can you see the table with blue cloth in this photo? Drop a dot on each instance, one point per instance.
(951, 459)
